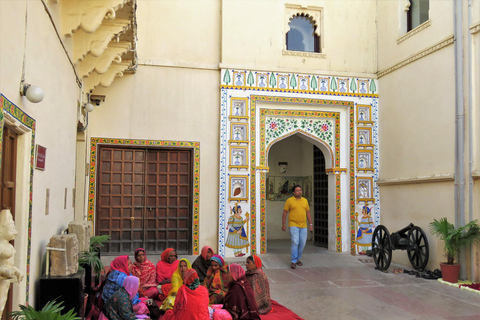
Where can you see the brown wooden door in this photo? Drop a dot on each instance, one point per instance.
(7, 188)
(144, 199)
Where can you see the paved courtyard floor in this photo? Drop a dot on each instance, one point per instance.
(340, 286)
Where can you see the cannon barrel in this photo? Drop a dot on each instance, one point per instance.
(402, 231)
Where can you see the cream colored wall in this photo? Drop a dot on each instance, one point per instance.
(299, 155)
(169, 104)
(253, 37)
(46, 66)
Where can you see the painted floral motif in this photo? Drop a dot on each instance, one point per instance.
(321, 128)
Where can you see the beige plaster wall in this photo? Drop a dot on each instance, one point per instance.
(46, 66)
(253, 36)
(161, 103)
(299, 155)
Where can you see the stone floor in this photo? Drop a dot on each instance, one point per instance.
(340, 286)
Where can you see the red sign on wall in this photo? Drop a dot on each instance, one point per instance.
(41, 155)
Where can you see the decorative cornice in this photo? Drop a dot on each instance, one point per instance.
(106, 79)
(304, 54)
(440, 45)
(475, 28)
(101, 64)
(417, 180)
(413, 32)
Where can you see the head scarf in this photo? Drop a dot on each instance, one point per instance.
(205, 251)
(218, 260)
(190, 279)
(120, 264)
(257, 261)
(165, 269)
(177, 279)
(236, 271)
(137, 251)
(131, 286)
(166, 254)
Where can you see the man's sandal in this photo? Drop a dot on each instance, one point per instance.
(293, 265)
(299, 263)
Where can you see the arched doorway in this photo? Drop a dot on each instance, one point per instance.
(298, 159)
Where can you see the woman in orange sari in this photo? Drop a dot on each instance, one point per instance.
(144, 270)
(217, 280)
(167, 265)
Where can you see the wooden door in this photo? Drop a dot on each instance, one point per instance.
(320, 192)
(7, 188)
(144, 199)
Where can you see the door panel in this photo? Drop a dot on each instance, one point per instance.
(145, 199)
(320, 183)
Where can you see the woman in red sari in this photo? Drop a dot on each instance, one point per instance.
(144, 270)
(259, 283)
(167, 265)
(192, 300)
(217, 280)
(240, 299)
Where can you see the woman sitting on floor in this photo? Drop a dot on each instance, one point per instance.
(121, 268)
(144, 270)
(259, 283)
(217, 280)
(119, 305)
(202, 263)
(165, 268)
(240, 299)
(192, 300)
(177, 282)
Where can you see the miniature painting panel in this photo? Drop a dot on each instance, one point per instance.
(324, 83)
(238, 108)
(364, 135)
(363, 113)
(262, 80)
(239, 132)
(342, 84)
(279, 188)
(238, 226)
(283, 81)
(238, 156)
(239, 78)
(363, 86)
(238, 188)
(364, 230)
(303, 83)
(364, 160)
(364, 188)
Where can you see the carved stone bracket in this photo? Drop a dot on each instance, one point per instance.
(87, 15)
(96, 43)
(101, 64)
(106, 79)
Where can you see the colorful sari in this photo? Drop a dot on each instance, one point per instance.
(177, 282)
(165, 272)
(119, 305)
(192, 300)
(240, 299)
(201, 264)
(217, 283)
(146, 273)
(261, 289)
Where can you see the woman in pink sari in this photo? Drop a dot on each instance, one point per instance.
(145, 271)
(167, 265)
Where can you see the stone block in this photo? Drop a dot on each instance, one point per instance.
(63, 262)
(83, 230)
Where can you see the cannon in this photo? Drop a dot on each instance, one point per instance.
(410, 238)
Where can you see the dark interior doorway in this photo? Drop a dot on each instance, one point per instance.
(320, 199)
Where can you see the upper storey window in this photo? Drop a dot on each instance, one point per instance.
(417, 13)
(302, 35)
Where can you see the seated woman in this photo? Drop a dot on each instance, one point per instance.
(192, 300)
(144, 270)
(217, 280)
(165, 268)
(177, 282)
(259, 283)
(119, 305)
(240, 300)
(202, 263)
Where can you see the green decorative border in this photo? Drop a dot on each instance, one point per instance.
(29, 122)
(153, 143)
(263, 152)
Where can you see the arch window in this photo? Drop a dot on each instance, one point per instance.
(302, 35)
(417, 13)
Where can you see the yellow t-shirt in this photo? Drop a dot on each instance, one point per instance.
(297, 216)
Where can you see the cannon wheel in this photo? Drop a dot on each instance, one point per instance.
(418, 251)
(382, 248)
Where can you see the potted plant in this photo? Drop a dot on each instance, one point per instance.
(51, 311)
(454, 239)
(90, 259)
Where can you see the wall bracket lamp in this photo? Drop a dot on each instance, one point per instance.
(33, 94)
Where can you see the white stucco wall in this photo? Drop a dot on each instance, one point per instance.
(45, 63)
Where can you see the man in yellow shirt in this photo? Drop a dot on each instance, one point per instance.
(298, 213)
